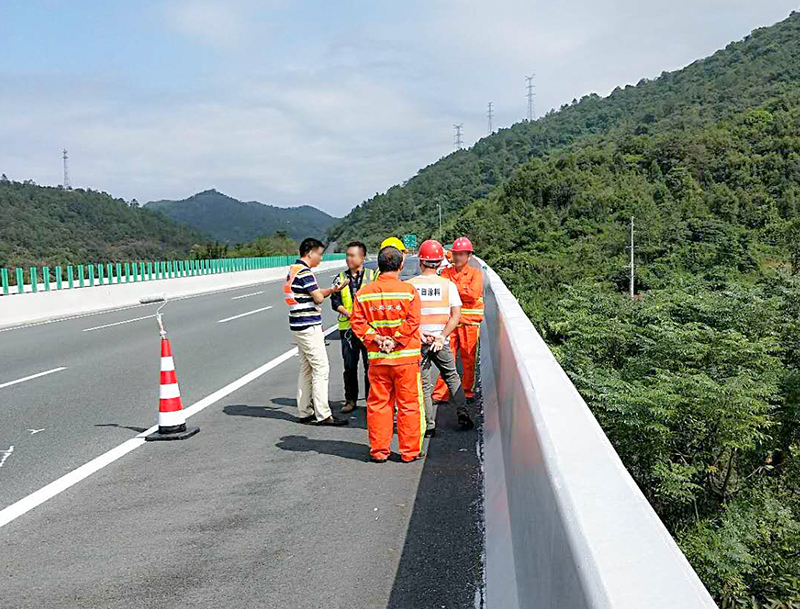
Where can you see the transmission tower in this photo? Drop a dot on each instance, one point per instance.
(489, 115)
(66, 170)
(530, 95)
(458, 142)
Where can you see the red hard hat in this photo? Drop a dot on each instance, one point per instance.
(431, 250)
(462, 244)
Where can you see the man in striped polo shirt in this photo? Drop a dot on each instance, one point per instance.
(303, 297)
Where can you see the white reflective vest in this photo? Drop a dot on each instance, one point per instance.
(434, 292)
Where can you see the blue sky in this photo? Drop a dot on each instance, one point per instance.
(325, 103)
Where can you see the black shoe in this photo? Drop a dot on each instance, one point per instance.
(332, 421)
(464, 422)
(471, 400)
(376, 460)
(430, 432)
(421, 455)
(306, 420)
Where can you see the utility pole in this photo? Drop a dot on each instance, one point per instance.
(530, 95)
(66, 170)
(632, 278)
(457, 141)
(490, 114)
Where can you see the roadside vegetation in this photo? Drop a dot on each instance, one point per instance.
(696, 380)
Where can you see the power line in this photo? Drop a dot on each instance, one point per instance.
(66, 170)
(489, 115)
(458, 142)
(530, 95)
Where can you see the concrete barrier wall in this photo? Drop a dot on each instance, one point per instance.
(566, 526)
(44, 306)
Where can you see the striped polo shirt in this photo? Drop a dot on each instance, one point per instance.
(310, 315)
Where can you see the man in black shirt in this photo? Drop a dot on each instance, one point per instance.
(342, 303)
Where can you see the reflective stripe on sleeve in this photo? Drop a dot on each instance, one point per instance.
(394, 355)
(387, 323)
(386, 296)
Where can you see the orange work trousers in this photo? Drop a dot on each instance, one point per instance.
(464, 341)
(388, 385)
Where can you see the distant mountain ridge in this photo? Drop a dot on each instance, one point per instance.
(234, 221)
(44, 225)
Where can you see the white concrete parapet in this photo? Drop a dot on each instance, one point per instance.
(566, 525)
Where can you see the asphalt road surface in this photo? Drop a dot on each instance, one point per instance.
(257, 510)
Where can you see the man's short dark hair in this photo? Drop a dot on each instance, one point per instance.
(309, 244)
(390, 259)
(357, 244)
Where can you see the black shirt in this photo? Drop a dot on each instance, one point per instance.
(354, 286)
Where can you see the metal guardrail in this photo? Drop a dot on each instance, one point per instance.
(88, 275)
(566, 525)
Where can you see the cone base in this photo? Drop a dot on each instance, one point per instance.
(159, 436)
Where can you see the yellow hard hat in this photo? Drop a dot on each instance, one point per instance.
(393, 242)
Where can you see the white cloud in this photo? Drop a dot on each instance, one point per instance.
(215, 23)
(332, 111)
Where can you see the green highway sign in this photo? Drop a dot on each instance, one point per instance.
(410, 241)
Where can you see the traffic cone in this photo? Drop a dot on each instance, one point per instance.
(171, 420)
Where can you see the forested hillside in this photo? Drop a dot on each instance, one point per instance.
(696, 380)
(233, 221)
(745, 74)
(42, 225)
(279, 244)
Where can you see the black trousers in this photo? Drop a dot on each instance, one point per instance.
(352, 348)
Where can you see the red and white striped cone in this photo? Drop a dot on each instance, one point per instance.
(171, 419)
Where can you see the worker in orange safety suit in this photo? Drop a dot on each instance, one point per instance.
(386, 318)
(464, 340)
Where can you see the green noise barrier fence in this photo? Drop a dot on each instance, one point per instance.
(45, 278)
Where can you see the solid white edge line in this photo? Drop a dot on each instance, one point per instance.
(33, 376)
(247, 295)
(35, 499)
(222, 321)
(119, 323)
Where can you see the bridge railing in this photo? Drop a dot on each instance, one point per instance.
(46, 278)
(566, 525)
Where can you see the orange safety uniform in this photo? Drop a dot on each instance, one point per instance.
(466, 336)
(390, 307)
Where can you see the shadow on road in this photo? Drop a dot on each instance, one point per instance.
(260, 412)
(336, 448)
(441, 564)
(132, 428)
(357, 418)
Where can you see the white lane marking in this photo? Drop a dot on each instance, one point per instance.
(35, 499)
(119, 323)
(5, 455)
(222, 321)
(33, 376)
(247, 295)
(35, 431)
(136, 306)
